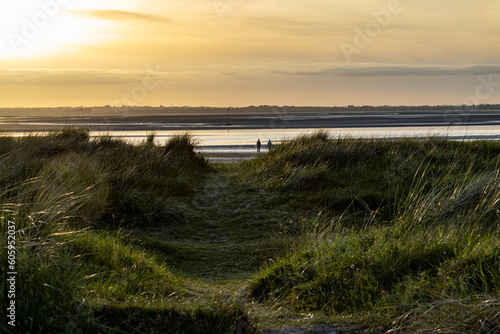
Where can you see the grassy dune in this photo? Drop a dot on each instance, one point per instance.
(364, 235)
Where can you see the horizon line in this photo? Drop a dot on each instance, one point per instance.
(350, 106)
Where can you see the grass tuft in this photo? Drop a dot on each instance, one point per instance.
(372, 234)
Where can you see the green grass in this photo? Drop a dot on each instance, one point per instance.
(365, 235)
(418, 231)
(73, 275)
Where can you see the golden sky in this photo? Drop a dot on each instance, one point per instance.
(249, 52)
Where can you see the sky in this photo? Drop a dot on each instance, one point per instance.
(249, 52)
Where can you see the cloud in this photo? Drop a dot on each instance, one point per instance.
(70, 77)
(119, 15)
(291, 26)
(396, 70)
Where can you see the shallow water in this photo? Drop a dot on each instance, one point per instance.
(233, 141)
(244, 139)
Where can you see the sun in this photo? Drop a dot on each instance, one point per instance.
(41, 28)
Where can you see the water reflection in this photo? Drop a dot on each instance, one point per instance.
(246, 138)
(243, 140)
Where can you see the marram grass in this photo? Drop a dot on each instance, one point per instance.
(73, 278)
(441, 232)
(398, 236)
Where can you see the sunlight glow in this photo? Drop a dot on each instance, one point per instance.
(44, 28)
(326, 52)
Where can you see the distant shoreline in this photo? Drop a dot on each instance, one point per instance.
(222, 143)
(246, 120)
(153, 110)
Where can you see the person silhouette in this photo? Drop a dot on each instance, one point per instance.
(258, 145)
(269, 144)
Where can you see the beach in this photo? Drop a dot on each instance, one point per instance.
(230, 135)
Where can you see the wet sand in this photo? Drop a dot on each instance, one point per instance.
(229, 157)
(255, 120)
(215, 135)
